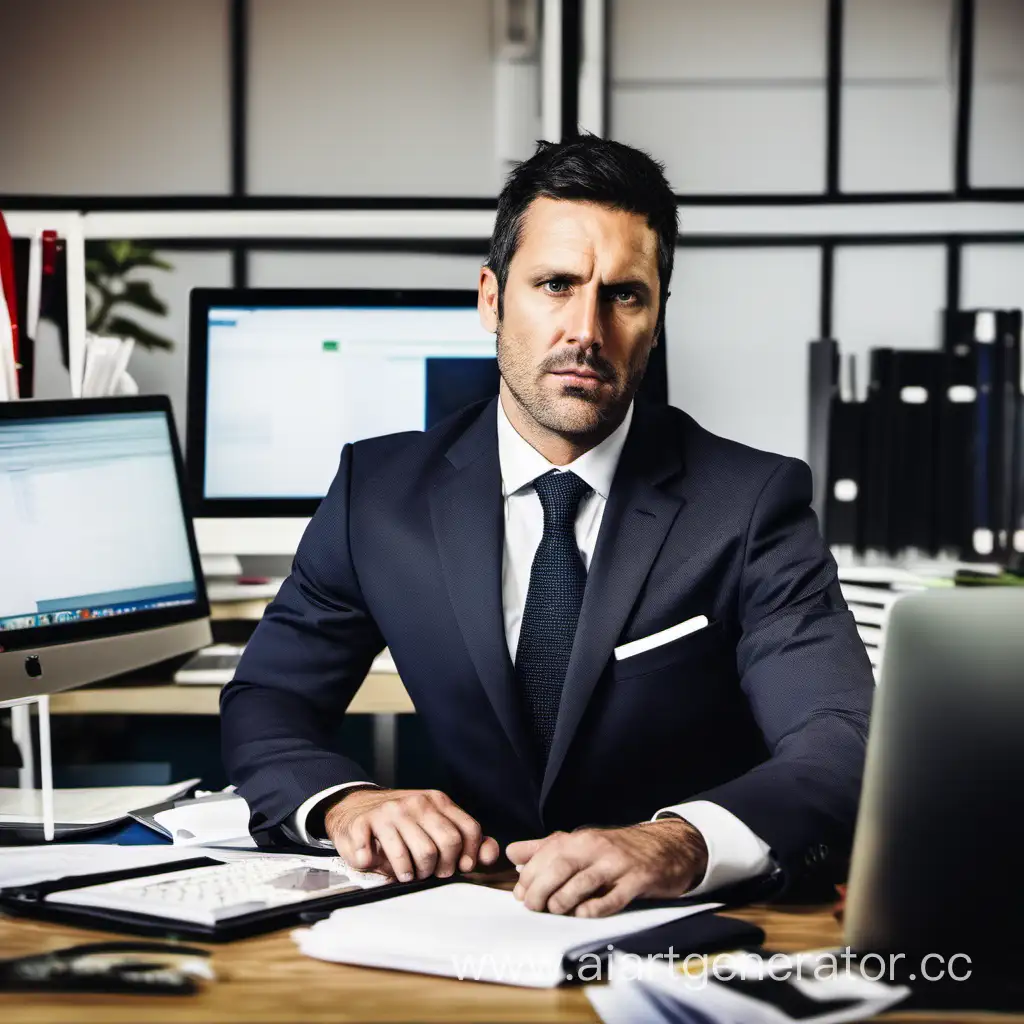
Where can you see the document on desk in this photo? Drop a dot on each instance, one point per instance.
(741, 987)
(471, 932)
(84, 809)
(26, 865)
(222, 819)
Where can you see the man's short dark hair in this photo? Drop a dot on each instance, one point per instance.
(589, 169)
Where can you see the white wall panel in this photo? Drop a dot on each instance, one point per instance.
(729, 95)
(728, 140)
(887, 297)
(992, 275)
(382, 98)
(997, 111)
(727, 39)
(898, 97)
(738, 323)
(896, 138)
(108, 97)
(362, 270)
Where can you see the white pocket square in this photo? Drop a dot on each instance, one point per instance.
(646, 643)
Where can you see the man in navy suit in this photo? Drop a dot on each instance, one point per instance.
(624, 634)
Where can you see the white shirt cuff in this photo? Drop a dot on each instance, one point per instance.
(295, 826)
(735, 853)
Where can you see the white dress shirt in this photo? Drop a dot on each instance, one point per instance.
(735, 853)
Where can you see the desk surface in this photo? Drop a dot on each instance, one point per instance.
(265, 979)
(382, 693)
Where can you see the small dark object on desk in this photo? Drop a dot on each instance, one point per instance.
(153, 968)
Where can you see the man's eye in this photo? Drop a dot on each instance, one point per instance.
(625, 295)
(556, 287)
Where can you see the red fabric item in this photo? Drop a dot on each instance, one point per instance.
(7, 276)
(49, 253)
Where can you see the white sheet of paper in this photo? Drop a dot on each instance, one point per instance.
(23, 865)
(94, 806)
(469, 931)
(208, 821)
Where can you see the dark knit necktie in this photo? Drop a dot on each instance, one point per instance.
(553, 602)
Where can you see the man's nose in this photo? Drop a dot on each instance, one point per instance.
(584, 325)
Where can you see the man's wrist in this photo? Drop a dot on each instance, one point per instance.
(689, 841)
(319, 820)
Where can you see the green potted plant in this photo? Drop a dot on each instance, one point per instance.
(113, 293)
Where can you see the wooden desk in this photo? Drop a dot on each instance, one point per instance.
(265, 979)
(381, 694)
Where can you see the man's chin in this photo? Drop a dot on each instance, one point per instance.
(576, 412)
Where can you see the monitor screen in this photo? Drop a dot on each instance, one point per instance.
(92, 525)
(288, 387)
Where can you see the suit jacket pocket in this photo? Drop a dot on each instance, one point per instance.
(679, 651)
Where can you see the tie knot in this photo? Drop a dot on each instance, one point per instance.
(560, 495)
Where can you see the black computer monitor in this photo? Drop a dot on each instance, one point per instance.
(99, 572)
(281, 379)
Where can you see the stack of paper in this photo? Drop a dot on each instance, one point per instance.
(83, 810)
(741, 988)
(472, 933)
(220, 820)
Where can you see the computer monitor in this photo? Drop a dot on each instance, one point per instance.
(99, 572)
(281, 379)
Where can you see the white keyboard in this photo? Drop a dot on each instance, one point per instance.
(207, 895)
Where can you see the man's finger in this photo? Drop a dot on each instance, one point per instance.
(470, 831)
(490, 851)
(355, 844)
(422, 848)
(621, 895)
(544, 875)
(393, 847)
(521, 851)
(447, 841)
(585, 884)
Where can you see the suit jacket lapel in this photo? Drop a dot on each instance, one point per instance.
(469, 525)
(636, 521)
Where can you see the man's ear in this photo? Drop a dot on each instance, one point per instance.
(487, 300)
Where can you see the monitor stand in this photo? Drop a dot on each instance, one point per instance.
(21, 731)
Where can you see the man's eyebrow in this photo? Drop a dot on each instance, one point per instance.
(546, 273)
(636, 283)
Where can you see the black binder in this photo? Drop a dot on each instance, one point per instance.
(916, 386)
(957, 410)
(823, 364)
(845, 505)
(878, 453)
(30, 901)
(1008, 451)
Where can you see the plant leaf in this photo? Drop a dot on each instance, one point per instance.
(121, 327)
(140, 294)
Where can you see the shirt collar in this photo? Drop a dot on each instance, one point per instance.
(521, 463)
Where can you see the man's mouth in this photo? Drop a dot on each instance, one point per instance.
(580, 373)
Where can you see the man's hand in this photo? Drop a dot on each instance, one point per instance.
(594, 872)
(408, 833)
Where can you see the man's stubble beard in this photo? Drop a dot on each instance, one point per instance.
(578, 419)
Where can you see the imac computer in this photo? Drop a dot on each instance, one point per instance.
(99, 572)
(281, 379)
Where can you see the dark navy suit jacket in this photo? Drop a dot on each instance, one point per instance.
(764, 712)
